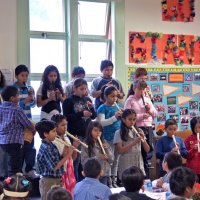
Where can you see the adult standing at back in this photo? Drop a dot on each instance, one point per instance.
(105, 79)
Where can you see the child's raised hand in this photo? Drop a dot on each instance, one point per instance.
(146, 116)
(52, 95)
(176, 148)
(76, 143)
(159, 182)
(147, 107)
(136, 140)
(90, 104)
(118, 114)
(58, 93)
(28, 99)
(103, 157)
(87, 113)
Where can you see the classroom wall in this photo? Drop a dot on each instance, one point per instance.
(145, 15)
(8, 34)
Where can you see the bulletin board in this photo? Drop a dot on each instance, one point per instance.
(176, 93)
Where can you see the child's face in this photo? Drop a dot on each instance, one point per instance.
(51, 135)
(111, 98)
(107, 72)
(81, 91)
(96, 132)
(171, 129)
(62, 127)
(139, 92)
(197, 128)
(52, 76)
(22, 77)
(130, 120)
(15, 99)
(143, 77)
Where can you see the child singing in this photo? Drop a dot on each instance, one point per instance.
(128, 140)
(95, 149)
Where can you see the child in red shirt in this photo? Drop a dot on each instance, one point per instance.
(191, 144)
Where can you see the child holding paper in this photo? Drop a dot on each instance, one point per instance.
(192, 144)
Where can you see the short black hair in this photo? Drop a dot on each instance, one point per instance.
(8, 92)
(105, 64)
(44, 126)
(133, 179)
(173, 160)
(77, 70)
(79, 81)
(140, 72)
(180, 179)
(170, 122)
(193, 123)
(92, 168)
(21, 68)
(118, 197)
(58, 118)
(58, 193)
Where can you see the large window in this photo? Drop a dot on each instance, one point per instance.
(67, 33)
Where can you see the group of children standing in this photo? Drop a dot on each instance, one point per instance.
(119, 137)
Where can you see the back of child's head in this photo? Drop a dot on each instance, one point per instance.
(92, 168)
(105, 64)
(118, 197)
(131, 90)
(170, 122)
(21, 68)
(8, 92)
(140, 72)
(193, 122)
(79, 82)
(58, 193)
(58, 118)
(77, 70)
(181, 178)
(140, 84)
(44, 126)
(16, 186)
(173, 160)
(133, 179)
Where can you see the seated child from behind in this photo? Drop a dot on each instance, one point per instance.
(170, 162)
(16, 187)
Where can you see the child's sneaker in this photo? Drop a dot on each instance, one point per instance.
(32, 174)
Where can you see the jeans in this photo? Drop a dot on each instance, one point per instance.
(14, 157)
(29, 153)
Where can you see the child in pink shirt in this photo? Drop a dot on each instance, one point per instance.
(145, 111)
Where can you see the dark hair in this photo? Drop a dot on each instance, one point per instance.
(124, 130)
(58, 118)
(173, 160)
(79, 82)
(2, 80)
(108, 90)
(18, 185)
(118, 197)
(140, 72)
(47, 84)
(133, 179)
(44, 126)
(130, 90)
(8, 92)
(89, 140)
(193, 123)
(170, 122)
(21, 68)
(105, 64)
(77, 70)
(92, 168)
(58, 193)
(180, 179)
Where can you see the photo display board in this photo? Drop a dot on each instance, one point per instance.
(176, 93)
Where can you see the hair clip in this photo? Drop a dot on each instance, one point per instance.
(25, 182)
(8, 180)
